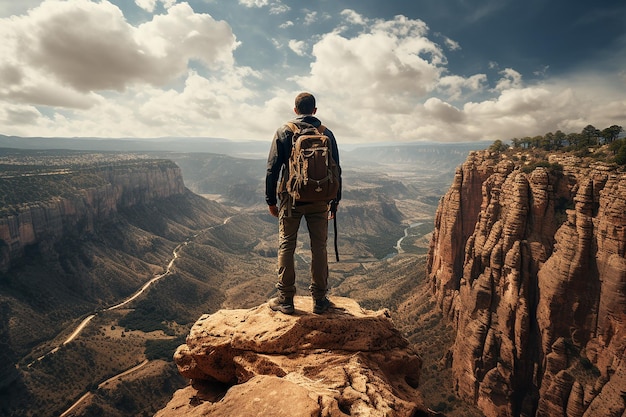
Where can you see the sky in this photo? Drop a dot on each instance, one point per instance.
(382, 71)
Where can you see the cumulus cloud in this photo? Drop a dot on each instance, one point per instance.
(275, 7)
(353, 17)
(310, 17)
(254, 3)
(95, 71)
(80, 68)
(443, 111)
(147, 5)
(451, 44)
(13, 7)
(455, 86)
(384, 69)
(278, 8)
(510, 79)
(394, 79)
(298, 47)
(19, 115)
(85, 47)
(203, 100)
(150, 5)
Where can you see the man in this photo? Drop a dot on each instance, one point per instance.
(289, 214)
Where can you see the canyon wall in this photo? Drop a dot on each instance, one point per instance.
(528, 263)
(118, 186)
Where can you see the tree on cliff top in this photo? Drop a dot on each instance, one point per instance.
(498, 146)
(587, 138)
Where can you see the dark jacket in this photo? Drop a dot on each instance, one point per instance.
(278, 159)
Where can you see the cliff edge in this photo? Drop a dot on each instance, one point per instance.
(258, 362)
(527, 261)
(40, 208)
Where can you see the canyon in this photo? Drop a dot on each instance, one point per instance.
(524, 271)
(42, 223)
(86, 230)
(79, 233)
(527, 261)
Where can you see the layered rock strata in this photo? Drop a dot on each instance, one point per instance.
(119, 186)
(258, 362)
(530, 267)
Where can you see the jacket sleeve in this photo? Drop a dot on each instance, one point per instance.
(275, 161)
(335, 153)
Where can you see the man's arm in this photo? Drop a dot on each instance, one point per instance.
(275, 162)
(335, 153)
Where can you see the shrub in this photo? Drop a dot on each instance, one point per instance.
(162, 349)
(441, 407)
(620, 157)
(556, 167)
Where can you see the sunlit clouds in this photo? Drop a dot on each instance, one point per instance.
(86, 68)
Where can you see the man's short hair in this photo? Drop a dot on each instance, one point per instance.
(305, 103)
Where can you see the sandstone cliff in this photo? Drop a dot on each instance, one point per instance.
(529, 265)
(91, 195)
(258, 362)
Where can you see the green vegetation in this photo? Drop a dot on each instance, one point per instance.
(41, 187)
(498, 146)
(619, 150)
(579, 143)
(554, 167)
(580, 367)
(162, 348)
(147, 319)
(34, 183)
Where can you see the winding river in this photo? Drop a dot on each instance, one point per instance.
(398, 246)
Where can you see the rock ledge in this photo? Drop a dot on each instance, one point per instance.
(258, 362)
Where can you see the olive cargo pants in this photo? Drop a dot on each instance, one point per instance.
(316, 216)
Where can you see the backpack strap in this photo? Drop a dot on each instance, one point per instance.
(295, 128)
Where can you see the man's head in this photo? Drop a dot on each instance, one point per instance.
(305, 104)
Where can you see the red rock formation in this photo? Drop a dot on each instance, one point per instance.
(535, 283)
(348, 361)
(462, 203)
(122, 186)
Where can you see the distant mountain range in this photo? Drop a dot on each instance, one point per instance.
(380, 152)
(168, 144)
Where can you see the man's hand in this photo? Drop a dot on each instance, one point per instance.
(273, 210)
(332, 210)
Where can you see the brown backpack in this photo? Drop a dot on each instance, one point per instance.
(313, 173)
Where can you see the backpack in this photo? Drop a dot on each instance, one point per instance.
(313, 173)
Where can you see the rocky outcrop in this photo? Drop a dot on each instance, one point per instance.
(529, 265)
(109, 189)
(348, 361)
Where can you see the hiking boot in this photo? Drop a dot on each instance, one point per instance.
(282, 304)
(321, 305)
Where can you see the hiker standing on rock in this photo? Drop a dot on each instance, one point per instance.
(305, 156)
